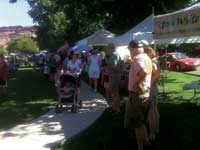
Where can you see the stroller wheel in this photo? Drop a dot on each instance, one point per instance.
(58, 109)
(80, 104)
(74, 108)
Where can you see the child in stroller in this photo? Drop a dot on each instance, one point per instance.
(68, 93)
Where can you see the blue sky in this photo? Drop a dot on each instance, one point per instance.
(14, 14)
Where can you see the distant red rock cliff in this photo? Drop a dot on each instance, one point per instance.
(7, 32)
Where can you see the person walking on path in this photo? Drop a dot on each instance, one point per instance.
(105, 80)
(52, 65)
(94, 69)
(3, 74)
(113, 62)
(139, 85)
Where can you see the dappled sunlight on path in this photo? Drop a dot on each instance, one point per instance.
(51, 128)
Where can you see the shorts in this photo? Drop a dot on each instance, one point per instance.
(106, 85)
(105, 78)
(94, 73)
(136, 111)
(114, 80)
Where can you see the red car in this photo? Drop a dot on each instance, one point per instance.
(179, 62)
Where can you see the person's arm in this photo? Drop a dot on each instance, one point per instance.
(89, 60)
(141, 76)
(100, 61)
(142, 73)
(68, 66)
(80, 66)
(155, 74)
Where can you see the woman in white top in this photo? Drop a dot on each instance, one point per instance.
(94, 69)
(74, 64)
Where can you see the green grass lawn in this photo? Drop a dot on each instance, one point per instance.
(29, 96)
(179, 124)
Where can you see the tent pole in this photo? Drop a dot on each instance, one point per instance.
(153, 27)
(166, 65)
(166, 46)
(154, 45)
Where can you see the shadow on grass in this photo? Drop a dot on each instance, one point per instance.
(179, 126)
(175, 98)
(29, 95)
(179, 130)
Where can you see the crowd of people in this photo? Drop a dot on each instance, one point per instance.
(93, 64)
(141, 112)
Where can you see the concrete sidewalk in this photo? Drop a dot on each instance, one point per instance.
(195, 73)
(50, 129)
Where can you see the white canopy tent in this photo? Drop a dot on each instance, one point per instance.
(123, 52)
(178, 40)
(142, 31)
(100, 37)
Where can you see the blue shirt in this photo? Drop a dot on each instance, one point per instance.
(114, 60)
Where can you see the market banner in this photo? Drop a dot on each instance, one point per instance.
(180, 24)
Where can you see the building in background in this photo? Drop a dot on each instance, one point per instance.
(6, 33)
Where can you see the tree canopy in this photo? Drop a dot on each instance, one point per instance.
(3, 50)
(71, 20)
(22, 43)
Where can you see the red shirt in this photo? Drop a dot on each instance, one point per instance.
(3, 70)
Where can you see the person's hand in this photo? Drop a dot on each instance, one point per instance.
(73, 70)
(142, 88)
(139, 87)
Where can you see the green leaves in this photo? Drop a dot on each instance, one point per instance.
(60, 20)
(3, 50)
(72, 20)
(23, 44)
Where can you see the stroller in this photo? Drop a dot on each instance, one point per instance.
(68, 93)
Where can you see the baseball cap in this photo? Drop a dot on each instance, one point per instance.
(135, 44)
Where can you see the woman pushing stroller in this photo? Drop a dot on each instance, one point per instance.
(69, 87)
(74, 66)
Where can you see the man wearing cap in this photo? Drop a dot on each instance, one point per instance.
(139, 90)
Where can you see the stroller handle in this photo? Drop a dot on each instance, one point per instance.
(75, 74)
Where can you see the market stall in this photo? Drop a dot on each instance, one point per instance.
(181, 26)
(100, 37)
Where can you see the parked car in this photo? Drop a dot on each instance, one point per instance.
(179, 61)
